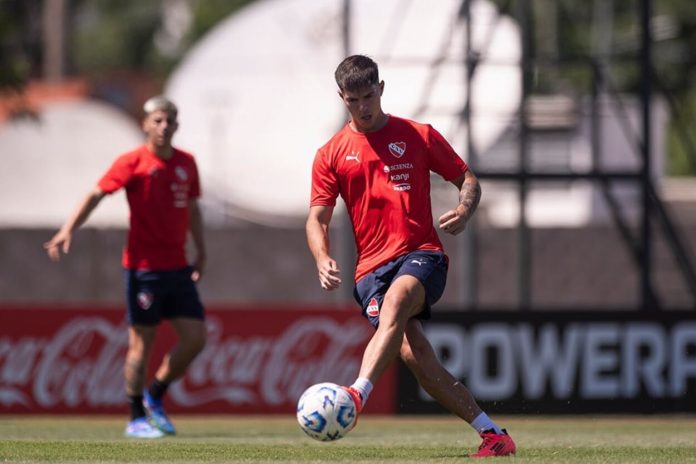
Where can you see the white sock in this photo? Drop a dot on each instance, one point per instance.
(364, 387)
(483, 423)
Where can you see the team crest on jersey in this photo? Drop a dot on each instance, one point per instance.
(397, 149)
(373, 308)
(145, 300)
(181, 173)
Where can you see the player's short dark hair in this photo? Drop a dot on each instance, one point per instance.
(356, 72)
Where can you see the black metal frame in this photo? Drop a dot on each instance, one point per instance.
(641, 248)
(652, 208)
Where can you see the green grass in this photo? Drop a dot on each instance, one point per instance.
(633, 439)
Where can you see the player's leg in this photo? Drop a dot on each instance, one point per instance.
(191, 337)
(390, 296)
(191, 334)
(403, 300)
(143, 316)
(419, 356)
(140, 342)
(182, 306)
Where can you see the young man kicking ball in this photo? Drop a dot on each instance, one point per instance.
(380, 165)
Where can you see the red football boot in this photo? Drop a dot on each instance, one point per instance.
(495, 445)
(357, 399)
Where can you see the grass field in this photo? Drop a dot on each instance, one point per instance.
(431, 439)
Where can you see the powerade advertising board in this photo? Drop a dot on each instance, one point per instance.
(564, 362)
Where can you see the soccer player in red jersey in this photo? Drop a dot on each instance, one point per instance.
(380, 165)
(162, 188)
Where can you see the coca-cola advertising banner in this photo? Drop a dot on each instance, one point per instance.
(565, 362)
(256, 360)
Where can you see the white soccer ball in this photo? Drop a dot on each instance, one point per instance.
(326, 412)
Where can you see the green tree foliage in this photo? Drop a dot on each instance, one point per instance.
(106, 36)
(121, 34)
(207, 13)
(19, 43)
(113, 34)
(564, 35)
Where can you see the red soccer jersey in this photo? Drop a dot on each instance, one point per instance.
(384, 179)
(158, 194)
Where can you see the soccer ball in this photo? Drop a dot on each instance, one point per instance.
(326, 412)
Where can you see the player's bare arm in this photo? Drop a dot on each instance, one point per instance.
(62, 239)
(317, 229)
(196, 227)
(454, 221)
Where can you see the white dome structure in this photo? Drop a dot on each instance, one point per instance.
(257, 95)
(48, 165)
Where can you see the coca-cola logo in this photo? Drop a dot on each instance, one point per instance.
(81, 364)
(273, 370)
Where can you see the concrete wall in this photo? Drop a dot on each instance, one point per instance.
(253, 264)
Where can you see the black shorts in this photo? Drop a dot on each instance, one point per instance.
(429, 267)
(156, 295)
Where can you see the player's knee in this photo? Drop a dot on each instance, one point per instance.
(417, 354)
(193, 346)
(137, 352)
(195, 341)
(413, 363)
(199, 343)
(407, 356)
(404, 303)
(395, 308)
(414, 352)
(393, 300)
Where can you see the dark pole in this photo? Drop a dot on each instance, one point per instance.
(647, 297)
(54, 19)
(524, 266)
(346, 28)
(345, 238)
(595, 126)
(470, 289)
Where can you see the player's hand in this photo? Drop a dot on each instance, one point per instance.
(198, 269)
(59, 241)
(329, 274)
(454, 221)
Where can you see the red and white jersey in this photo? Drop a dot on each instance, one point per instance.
(158, 194)
(384, 179)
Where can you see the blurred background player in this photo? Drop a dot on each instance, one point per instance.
(162, 187)
(380, 165)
